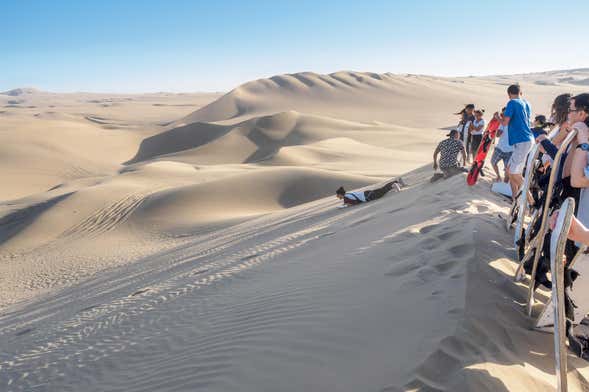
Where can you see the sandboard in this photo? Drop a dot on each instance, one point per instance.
(522, 200)
(539, 241)
(545, 321)
(479, 159)
(557, 249)
(501, 188)
(523, 232)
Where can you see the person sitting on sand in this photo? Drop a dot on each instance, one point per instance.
(502, 150)
(448, 150)
(353, 198)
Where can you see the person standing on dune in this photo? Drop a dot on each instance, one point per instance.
(502, 150)
(466, 119)
(477, 128)
(517, 118)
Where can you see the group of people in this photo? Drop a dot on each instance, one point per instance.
(515, 135)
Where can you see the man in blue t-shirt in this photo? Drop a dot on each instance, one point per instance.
(517, 118)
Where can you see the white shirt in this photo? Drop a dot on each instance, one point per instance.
(359, 196)
(503, 143)
(479, 123)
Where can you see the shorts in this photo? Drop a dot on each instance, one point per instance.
(499, 155)
(518, 157)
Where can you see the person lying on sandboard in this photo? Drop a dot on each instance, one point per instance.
(353, 198)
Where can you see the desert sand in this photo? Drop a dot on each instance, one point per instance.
(181, 242)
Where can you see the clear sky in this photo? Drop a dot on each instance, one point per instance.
(148, 45)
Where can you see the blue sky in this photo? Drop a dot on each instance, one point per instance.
(142, 46)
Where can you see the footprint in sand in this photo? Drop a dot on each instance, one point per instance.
(427, 229)
(482, 208)
(445, 267)
(403, 268)
(24, 332)
(447, 235)
(461, 250)
(139, 292)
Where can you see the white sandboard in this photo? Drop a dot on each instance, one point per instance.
(522, 207)
(501, 188)
(523, 202)
(557, 247)
(580, 292)
(539, 242)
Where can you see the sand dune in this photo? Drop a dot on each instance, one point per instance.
(408, 100)
(191, 241)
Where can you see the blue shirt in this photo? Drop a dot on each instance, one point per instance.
(519, 112)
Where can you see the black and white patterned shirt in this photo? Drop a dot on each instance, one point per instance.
(449, 150)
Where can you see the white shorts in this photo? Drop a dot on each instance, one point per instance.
(519, 156)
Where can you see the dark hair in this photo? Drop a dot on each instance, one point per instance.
(582, 103)
(542, 120)
(503, 108)
(467, 106)
(514, 89)
(560, 108)
(482, 111)
(340, 191)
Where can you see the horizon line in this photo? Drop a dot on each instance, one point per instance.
(180, 92)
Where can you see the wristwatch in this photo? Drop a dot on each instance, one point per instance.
(584, 147)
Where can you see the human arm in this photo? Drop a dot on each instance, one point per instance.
(477, 128)
(547, 146)
(578, 232)
(436, 152)
(578, 178)
(508, 113)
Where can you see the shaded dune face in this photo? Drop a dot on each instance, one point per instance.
(264, 136)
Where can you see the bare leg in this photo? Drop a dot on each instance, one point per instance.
(496, 169)
(516, 181)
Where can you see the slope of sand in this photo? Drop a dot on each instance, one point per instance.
(191, 241)
(411, 292)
